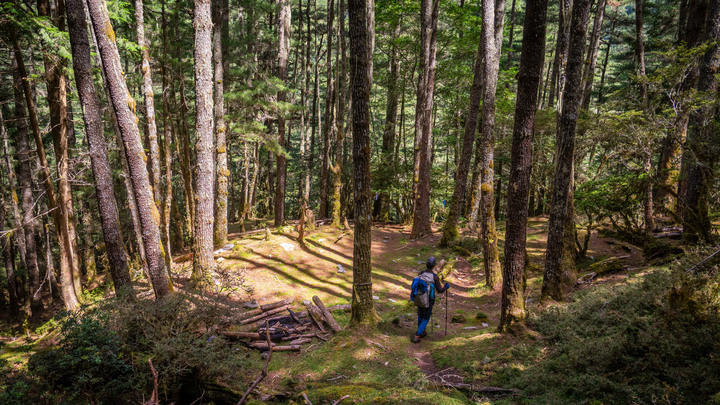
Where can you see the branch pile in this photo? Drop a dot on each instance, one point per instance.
(275, 326)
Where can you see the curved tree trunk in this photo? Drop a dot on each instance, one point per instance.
(60, 219)
(127, 123)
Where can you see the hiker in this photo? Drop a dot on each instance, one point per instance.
(431, 282)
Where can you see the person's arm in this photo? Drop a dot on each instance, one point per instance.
(438, 287)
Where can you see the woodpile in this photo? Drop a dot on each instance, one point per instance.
(285, 330)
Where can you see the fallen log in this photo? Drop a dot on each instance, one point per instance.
(315, 314)
(277, 304)
(295, 336)
(338, 307)
(241, 335)
(326, 314)
(487, 390)
(298, 342)
(263, 315)
(264, 346)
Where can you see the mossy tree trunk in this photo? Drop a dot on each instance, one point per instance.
(221, 188)
(492, 29)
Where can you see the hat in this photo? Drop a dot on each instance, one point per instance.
(430, 262)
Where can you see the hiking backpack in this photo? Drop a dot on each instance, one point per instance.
(422, 289)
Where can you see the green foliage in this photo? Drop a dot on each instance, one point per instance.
(87, 364)
(617, 198)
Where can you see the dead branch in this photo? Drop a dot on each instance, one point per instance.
(340, 399)
(307, 400)
(154, 397)
(264, 370)
(264, 314)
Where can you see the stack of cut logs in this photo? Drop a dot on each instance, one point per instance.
(288, 330)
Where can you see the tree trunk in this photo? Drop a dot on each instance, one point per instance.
(127, 122)
(423, 118)
(561, 51)
(283, 48)
(606, 60)
(25, 182)
(387, 173)
(340, 90)
(220, 19)
(362, 309)
(9, 262)
(167, 201)
(531, 65)
(493, 20)
(204, 181)
(97, 148)
(17, 220)
(591, 59)
(328, 132)
(59, 218)
(560, 276)
(450, 231)
(640, 51)
(702, 136)
(148, 94)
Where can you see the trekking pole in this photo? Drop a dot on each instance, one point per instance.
(446, 311)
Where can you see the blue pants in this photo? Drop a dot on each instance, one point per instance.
(424, 315)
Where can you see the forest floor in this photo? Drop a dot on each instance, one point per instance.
(381, 365)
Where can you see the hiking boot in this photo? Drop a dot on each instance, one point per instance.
(423, 334)
(416, 339)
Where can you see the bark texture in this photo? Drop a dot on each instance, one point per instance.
(60, 220)
(450, 231)
(221, 190)
(703, 139)
(493, 21)
(283, 50)
(531, 65)
(204, 179)
(559, 274)
(362, 306)
(124, 108)
(102, 175)
(423, 118)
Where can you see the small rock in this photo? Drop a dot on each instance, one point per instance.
(251, 304)
(385, 241)
(264, 355)
(592, 257)
(340, 268)
(470, 328)
(220, 259)
(391, 300)
(487, 360)
(321, 240)
(485, 325)
(229, 246)
(375, 297)
(217, 252)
